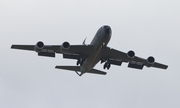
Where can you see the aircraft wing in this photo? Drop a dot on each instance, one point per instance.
(117, 57)
(50, 50)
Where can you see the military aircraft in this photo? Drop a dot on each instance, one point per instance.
(88, 55)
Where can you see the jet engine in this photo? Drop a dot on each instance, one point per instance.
(39, 46)
(150, 60)
(65, 46)
(131, 54)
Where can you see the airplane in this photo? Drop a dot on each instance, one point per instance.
(88, 55)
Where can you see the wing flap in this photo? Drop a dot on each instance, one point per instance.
(46, 54)
(74, 49)
(136, 65)
(71, 56)
(115, 54)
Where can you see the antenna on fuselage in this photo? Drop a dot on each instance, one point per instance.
(84, 42)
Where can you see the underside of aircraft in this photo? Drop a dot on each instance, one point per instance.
(88, 55)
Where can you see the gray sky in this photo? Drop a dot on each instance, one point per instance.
(149, 27)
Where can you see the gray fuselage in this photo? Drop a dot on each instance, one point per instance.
(99, 41)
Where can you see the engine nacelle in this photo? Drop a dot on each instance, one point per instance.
(39, 46)
(65, 46)
(131, 54)
(150, 60)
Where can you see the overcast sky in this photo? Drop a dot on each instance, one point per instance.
(148, 27)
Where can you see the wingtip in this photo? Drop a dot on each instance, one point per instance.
(12, 46)
(166, 67)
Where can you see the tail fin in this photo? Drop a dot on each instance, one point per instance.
(77, 68)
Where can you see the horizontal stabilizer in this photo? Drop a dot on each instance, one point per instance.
(72, 68)
(94, 71)
(77, 68)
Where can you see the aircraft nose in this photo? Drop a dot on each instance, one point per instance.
(107, 29)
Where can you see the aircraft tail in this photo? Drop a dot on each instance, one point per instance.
(77, 69)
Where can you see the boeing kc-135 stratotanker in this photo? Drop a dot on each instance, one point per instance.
(88, 56)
